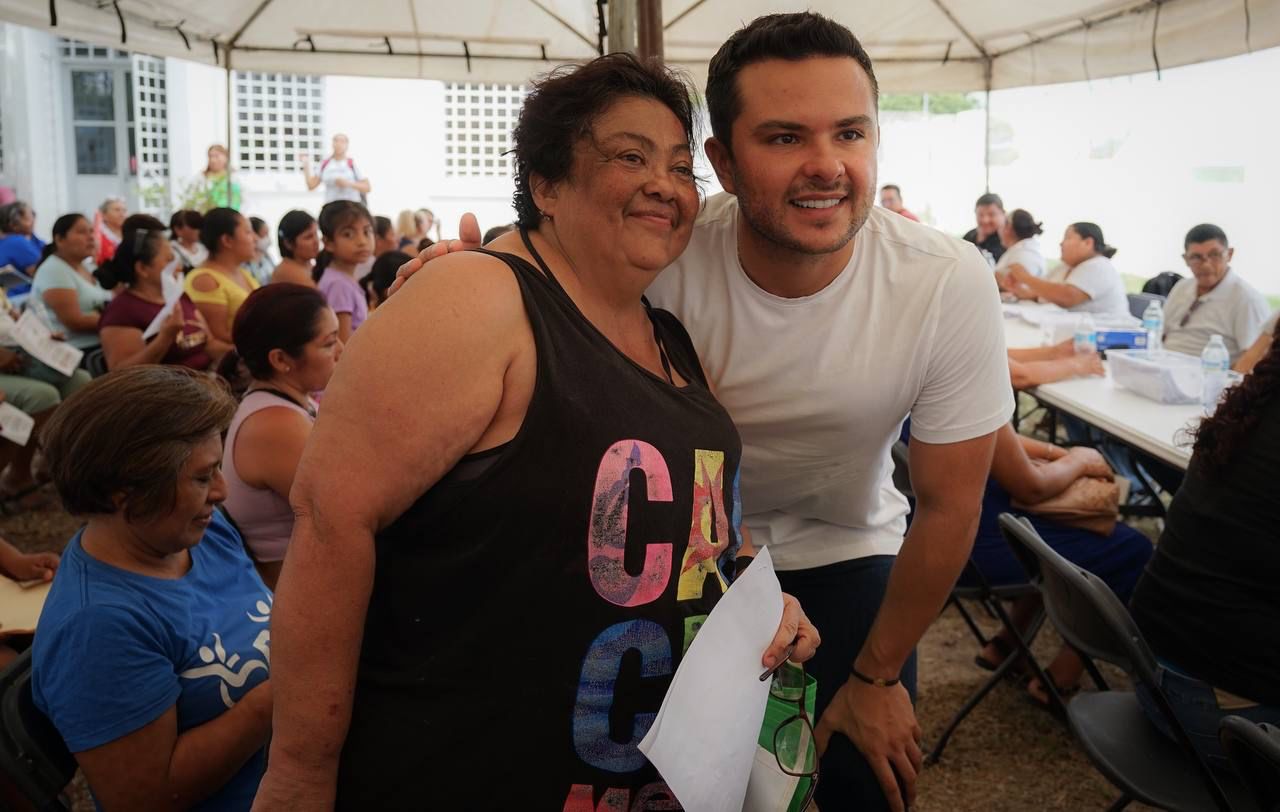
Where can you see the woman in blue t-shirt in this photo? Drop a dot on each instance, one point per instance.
(19, 246)
(152, 654)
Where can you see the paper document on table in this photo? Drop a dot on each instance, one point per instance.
(703, 740)
(172, 292)
(15, 424)
(36, 338)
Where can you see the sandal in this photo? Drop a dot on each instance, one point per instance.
(1044, 701)
(1006, 650)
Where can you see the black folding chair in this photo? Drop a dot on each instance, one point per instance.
(1116, 734)
(979, 591)
(32, 754)
(991, 598)
(1254, 751)
(1138, 303)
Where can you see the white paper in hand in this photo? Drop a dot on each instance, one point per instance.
(34, 336)
(703, 741)
(172, 289)
(15, 424)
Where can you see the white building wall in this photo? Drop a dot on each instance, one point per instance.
(397, 139)
(32, 103)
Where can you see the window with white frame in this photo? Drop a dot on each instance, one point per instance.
(75, 49)
(478, 119)
(149, 130)
(279, 117)
(1, 142)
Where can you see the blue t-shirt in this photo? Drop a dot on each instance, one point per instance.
(20, 251)
(115, 650)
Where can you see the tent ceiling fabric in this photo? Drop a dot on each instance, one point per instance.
(917, 45)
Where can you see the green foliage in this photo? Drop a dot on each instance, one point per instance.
(940, 104)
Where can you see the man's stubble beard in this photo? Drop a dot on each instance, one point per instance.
(761, 221)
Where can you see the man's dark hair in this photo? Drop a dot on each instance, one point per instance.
(989, 199)
(892, 186)
(1203, 233)
(562, 107)
(793, 37)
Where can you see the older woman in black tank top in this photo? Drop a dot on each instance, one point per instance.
(520, 498)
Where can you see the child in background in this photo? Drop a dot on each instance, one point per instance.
(382, 276)
(347, 229)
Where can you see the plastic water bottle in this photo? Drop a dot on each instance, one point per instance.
(1215, 361)
(1086, 338)
(1153, 323)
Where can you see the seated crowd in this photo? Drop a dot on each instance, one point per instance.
(233, 431)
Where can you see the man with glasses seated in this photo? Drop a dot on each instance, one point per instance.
(1213, 300)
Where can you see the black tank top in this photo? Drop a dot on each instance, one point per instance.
(529, 610)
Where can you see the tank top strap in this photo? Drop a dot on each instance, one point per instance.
(555, 283)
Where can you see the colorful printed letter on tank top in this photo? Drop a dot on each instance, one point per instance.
(529, 610)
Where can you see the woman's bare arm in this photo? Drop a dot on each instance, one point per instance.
(462, 327)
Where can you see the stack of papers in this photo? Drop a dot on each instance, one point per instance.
(703, 740)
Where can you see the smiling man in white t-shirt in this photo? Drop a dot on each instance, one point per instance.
(823, 323)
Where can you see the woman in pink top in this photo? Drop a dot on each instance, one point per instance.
(286, 338)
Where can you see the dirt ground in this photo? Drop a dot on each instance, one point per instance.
(1008, 755)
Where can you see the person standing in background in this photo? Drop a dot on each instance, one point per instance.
(891, 199)
(989, 211)
(341, 179)
(210, 189)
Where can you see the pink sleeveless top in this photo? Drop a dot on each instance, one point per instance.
(263, 516)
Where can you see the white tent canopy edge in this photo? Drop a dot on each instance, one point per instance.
(916, 45)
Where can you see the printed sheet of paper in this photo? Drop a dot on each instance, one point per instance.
(15, 424)
(172, 292)
(36, 338)
(20, 607)
(703, 741)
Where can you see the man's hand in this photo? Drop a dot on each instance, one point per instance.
(882, 724)
(468, 237)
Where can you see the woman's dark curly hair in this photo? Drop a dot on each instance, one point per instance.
(562, 107)
(1219, 437)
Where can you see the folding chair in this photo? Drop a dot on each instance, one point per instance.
(1254, 751)
(1116, 734)
(32, 754)
(981, 592)
(991, 598)
(1138, 303)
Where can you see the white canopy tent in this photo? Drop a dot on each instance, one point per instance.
(917, 45)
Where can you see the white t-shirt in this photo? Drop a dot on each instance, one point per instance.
(1097, 277)
(331, 170)
(819, 386)
(1025, 253)
(1234, 310)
